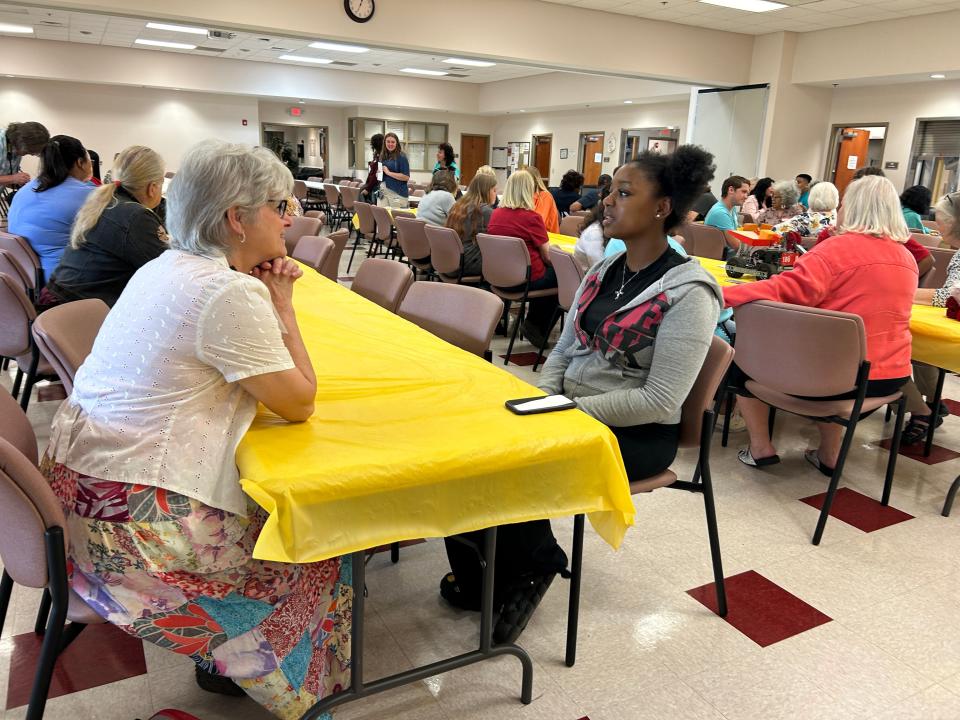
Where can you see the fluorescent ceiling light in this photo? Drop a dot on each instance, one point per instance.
(418, 71)
(938, 76)
(303, 58)
(177, 28)
(471, 63)
(164, 43)
(339, 48)
(748, 5)
(628, 102)
(8, 28)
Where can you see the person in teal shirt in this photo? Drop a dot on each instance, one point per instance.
(915, 203)
(733, 192)
(803, 185)
(446, 161)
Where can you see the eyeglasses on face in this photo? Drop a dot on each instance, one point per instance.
(281, 206)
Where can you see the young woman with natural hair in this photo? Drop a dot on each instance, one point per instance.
(43, 210)
(543, 202)
(471, 215)
(396, 173)
(116, 232)
(446, 160)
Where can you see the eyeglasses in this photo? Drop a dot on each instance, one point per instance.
(281, 207)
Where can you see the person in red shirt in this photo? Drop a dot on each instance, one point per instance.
(516, 218)
(831, 276)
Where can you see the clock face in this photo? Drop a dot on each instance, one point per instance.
(359, 10)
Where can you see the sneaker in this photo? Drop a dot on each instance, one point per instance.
(519, 606)
(737, 423)
(219, 684)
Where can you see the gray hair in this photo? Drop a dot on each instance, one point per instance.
(824, 197)
(788, 191)
(871, 206)
(214, 177)
(948, 212)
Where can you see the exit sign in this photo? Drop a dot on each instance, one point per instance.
(296, 111)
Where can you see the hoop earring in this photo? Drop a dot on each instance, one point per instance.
(243, 237)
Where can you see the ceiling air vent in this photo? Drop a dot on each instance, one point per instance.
(341, 63)
(220, 35)
(456, 75)
(51, 23)
(212, 49)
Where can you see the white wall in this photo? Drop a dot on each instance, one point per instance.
(567, 126)
(108, 119)
(899, 105)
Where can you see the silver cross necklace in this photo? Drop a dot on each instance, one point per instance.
(625, 282)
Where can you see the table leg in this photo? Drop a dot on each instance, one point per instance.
(937, 396)
(358, 688)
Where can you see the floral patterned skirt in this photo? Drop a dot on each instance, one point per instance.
(169, 569)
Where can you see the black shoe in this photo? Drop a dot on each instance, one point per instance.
(519, 606)
(943, 411)
(219, 684)
(453, 594)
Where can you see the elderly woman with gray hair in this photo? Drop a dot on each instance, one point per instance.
(786, 203)
(142, 452)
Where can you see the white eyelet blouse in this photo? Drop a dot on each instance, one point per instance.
(157, 401)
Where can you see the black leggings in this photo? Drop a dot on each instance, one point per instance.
(647, 450)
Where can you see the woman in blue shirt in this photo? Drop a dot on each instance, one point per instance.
(446, 161)
(44, 209)
(396, 173)
(915, 202)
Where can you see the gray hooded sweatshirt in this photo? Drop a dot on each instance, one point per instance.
(642, 362)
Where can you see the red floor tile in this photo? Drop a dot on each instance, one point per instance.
(523, 358)
(856, 509)
(938, 453)
(761, 609)
(101, 654)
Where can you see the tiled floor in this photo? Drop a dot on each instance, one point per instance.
(873, 612)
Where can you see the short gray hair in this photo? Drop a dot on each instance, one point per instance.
(214, 177)
(949, 208)
(788, 191)
(823, 197)
(871, 206)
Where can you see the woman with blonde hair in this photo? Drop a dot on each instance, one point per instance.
(118, 230)
(543, 202)
(471, 215)
(516, 217)
(831, 276)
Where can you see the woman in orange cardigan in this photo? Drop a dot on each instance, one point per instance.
(865, 270)
(543, 202)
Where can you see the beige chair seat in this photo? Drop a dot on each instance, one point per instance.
(816, 408)
(43, 367)
(667, 477)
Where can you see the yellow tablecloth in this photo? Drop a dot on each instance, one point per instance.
(410, 439)
(566, 242)
(936, 338)
(356, 218)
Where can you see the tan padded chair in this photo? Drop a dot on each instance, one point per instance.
(697, 419)
(703, 240)
(928, 241)
(397, 213)
(569, 277)
(299, 226)
(349, 195)
(10, 266)
(446, 255)
(571, 225)
(65, 335)
(28, 260)
(313, 250)
(367, 230)
(16, 316)
(792, 353)
(300, 190)
(506, 266)
(382, 281)
(461, 315)
(334, 203)
(937, 276)
(331, 268)
(383, 238)
(413, 241)
(33, 544)
(418, 193)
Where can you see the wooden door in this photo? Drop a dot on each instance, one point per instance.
(542, 148)
(591, 147)
(851, 155)
(474, 152)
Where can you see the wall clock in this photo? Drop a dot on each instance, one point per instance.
(359, 10)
